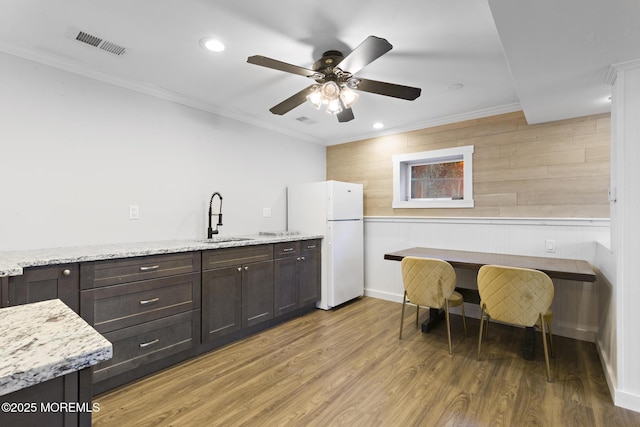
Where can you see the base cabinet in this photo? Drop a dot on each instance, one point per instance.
(237, 290)
(297, 275)
(147, 307)
(46, 404)
(45, 283)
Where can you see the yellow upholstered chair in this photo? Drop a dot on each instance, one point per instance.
(518, 296)
(430, 283)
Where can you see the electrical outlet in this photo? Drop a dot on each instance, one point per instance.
(134, 212)
(550, 245)
(266, 212)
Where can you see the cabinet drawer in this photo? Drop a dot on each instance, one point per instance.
(113, 307)
(286, 249)
(218, 258)
(310, 246)
(104, 273)
(146, 343)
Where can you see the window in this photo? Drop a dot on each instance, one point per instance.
(434, 179)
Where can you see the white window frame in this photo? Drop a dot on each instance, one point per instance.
(402, 177)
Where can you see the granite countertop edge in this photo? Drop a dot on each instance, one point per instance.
(12, 263)
(45, 340)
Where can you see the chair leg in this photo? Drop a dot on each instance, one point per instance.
(550, 339)
(480, 334)
(546, 349)
(448, 324)
(404, 301)
(464, 321)
(417, 314)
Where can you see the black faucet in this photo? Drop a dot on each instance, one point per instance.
(211, 231)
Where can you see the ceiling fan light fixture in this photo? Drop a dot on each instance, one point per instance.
(315, 97)
(348, 97)
(330, 90)
(334, 106)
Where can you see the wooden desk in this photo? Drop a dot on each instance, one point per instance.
(556, 268)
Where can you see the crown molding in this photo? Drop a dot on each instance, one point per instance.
(622, 66)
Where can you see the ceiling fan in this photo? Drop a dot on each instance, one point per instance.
(335, 80)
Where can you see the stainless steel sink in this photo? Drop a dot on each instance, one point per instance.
(224, 239)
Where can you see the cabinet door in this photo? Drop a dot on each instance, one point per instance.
(221, 302)
(286, 285)
(257, 293)
(309, 279)
(45, 283)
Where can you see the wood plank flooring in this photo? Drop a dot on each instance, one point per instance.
(346, 367)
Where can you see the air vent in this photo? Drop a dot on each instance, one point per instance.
(305, 120)
(100, 43)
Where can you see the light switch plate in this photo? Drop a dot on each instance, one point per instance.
(134, 212)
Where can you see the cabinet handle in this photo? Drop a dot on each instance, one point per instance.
(239, 268)
(149, 301)
(287, 250)
(150, 268)
(66, 272)
(147, 344)
(246, 268)
(311, 246)
(298, 258)
(302, 258)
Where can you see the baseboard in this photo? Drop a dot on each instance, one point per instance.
(609, 374)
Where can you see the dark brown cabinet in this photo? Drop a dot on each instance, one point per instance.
(297, 275)
(147, 307)
(237, 289)
(309, 270)
(45, 283)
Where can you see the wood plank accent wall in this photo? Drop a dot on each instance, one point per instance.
(551, 170)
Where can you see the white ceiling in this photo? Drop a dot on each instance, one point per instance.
(547, 57)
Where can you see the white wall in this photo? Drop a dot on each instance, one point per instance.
(625, 236)
(575, 304)
(76, 152)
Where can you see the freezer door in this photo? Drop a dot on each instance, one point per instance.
(345, 261)
(345, 200)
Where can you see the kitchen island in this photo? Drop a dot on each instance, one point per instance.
(46, 351)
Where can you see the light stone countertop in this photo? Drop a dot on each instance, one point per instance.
(45, 340)
(13, 262)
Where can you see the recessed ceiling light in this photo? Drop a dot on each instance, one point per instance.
(378, 125)
(214, 45)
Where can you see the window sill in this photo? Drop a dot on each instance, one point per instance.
(453, 204)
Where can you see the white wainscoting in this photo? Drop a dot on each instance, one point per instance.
(575, 304)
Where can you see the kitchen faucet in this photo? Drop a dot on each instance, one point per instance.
(211, 231)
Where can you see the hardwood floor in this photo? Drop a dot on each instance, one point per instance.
(347, 367)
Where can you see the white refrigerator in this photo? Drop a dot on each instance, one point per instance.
(335, 210)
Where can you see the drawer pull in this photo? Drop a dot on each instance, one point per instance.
(147, 344)
(66, 272)
(149, 301)
(287, 250)
(150, 268)
(311, 246)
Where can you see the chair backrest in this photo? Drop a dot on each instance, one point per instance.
(427, 281)
(514, 295)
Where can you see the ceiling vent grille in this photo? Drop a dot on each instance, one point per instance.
(100, 43)
(305, 120)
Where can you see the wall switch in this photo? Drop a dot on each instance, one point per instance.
(134, 212)
(266, 212)
(550, 245)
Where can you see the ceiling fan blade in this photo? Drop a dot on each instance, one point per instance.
(389, 89)
(365, 53)
(291, 102)
(346, 115)
(282, 66)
